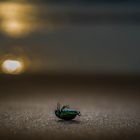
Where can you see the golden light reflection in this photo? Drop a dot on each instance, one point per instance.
(14, 28)
(14, 63)
(16, 18)
(10, 66)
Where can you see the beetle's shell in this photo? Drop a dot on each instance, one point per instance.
(67, 114)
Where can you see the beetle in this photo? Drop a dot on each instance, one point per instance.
(66, 113)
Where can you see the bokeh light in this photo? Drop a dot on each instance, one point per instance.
(16, 18)
(14, 28)
(10, 66)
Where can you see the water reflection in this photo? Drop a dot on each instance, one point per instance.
(17, 18)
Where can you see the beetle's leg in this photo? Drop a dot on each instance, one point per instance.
(66, 106)
(58, 106)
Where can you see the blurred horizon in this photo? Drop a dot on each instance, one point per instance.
(99, 37)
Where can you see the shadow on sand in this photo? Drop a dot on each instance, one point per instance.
(69, 122)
